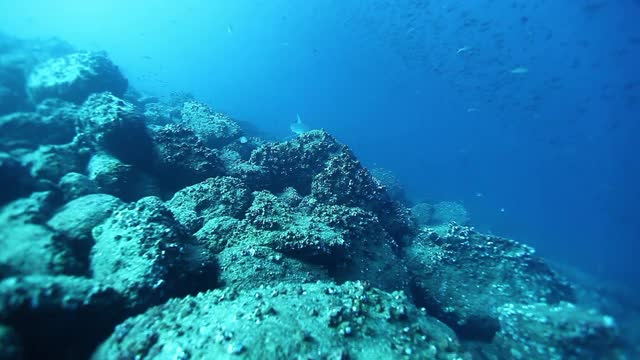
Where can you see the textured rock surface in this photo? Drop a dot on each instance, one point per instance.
(116, 127)
(52, 162)
(555, 332)
(74, 77)
(181, 158)
(52, 123)
(320, 320)
(464, 277)
(74, 185)
(34, 249)
(194, 205)
(251, 267)
(215, 129)
(35, 209)
(77, 218)
(125, 181)
(121, 201)
(146, 255)
(315, 163)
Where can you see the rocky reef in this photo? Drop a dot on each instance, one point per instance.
(138, 228)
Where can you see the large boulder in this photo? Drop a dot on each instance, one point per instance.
(28, 245)
(34, 209)
(77, 218)
(51, 162)
(215, 129)
(74, 77)
(32, 249)
(115, 126)
(53, 122)
(315, 163)
(294, 163)
(251, 267)
(562, 331)
(194, 205)
(112, 176)
(463, 277)
(74, 185)
(322, 320)
(144, 253)
(181, 158)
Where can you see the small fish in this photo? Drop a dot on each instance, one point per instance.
(472, 109)
(463, 49)
(243, 140)
(519, 70)
(229, 29)
(501, 209)
(479, 194)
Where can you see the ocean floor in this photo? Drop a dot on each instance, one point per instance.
(137, 227)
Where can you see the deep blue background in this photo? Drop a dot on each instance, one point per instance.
(555, 147)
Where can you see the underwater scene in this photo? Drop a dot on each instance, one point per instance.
(319, 179)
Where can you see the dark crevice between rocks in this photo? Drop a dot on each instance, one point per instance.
(475, 328)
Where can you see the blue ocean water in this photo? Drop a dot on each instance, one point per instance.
(526, 112)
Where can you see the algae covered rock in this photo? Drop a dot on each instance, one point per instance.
(28, 245)
(52, 162)
(315, 163)
(344, 181)
(74, 185)
(215, 129)
(32, 249)
(144, 253)
(59, 317)
(194, 205)
(181, 158)
(248, 267)
(464, 277)
(74, 77)
(561, 331)
(369, 252)
(35, 209)
(271, 223)
(77, 218)
(321, 320)
(32, 129)
(117, 178)
(294, 163)
(115, 126)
